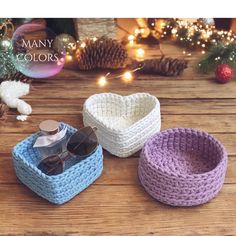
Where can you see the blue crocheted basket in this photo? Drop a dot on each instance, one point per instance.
(58, 189)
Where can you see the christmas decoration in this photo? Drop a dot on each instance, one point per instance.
(199, 34)
(101, 53)
(219, 54)
(67, 41)
(5, 44)
(6, 66)
(224, 73)
(165, 66)
(3, 111)
(149, 30)
(195, 35)
(11, 91)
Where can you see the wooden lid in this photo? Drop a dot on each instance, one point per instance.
(49, 126)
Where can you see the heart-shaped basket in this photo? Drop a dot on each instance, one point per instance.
(124, 122)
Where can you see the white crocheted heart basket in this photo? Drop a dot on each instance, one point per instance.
(124, 122)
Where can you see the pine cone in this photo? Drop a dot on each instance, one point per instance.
(166, 66)
(102, 53)
(18, 77)
(3, 111)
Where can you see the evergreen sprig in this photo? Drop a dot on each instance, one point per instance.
(7, 66)
(219, 54)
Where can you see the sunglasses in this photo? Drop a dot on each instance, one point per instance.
(81, 144)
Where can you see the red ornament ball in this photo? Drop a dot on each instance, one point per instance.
(224, 73)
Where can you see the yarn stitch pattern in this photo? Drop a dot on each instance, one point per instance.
(182, 167)
(58, 189)
(124, 122)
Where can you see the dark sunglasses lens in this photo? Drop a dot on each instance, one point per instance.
(83, 143)
(51, 165)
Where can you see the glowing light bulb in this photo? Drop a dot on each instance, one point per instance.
(203, 52)
(140, 53)
(94, 39)
(142, 31)
(68, 58)
(83, 45)
(102, 81)
(131, 37)
(174, 31)
(136, 31)
(127, 77)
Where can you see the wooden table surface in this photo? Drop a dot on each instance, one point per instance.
(116, 204)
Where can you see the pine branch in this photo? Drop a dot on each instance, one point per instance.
(219, 54)
(6, 67)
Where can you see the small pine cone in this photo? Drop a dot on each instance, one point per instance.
(104, 53)
(165, 66)
(3, 111)
(18, 77)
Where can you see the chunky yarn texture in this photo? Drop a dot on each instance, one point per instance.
(58, 189)
(124, 122)
(182, 167)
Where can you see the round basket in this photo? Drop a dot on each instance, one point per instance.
(182, 167)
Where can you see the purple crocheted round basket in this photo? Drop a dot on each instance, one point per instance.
(182, 166)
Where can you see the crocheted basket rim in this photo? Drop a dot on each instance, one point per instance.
(117, 130)
(39, 172)
(166, 173)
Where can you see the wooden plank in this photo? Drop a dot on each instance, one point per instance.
(164, 88)
(198, 106)
(72, 75)
(209, 123)
(116, 170)
(114, 210)
(168, 106)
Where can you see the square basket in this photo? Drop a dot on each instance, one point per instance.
(58, 189)
(124, 122)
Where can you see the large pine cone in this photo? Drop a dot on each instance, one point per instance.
(103, 53)
(165, 66)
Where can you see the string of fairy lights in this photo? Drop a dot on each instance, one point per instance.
(192, 36)
(127, 76)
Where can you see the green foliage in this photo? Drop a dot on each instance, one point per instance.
(6, 64)
(219, 54)
(7, 67)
